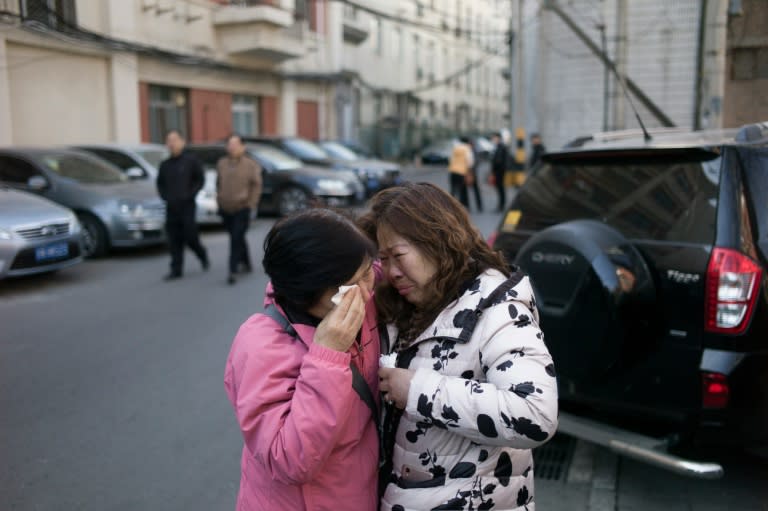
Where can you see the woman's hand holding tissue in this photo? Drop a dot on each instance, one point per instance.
(394, 384)
(340, 326)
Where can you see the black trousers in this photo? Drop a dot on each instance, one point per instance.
(459, 188)
(501, 189)
(237, 225)
(181, 227)
(476, 188)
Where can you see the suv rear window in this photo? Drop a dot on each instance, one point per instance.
(656, 199)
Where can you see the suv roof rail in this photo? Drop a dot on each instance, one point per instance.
(752, 132)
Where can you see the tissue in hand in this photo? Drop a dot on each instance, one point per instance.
(336, 299)
(388, 360)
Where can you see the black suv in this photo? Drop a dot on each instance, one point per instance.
(648, 259)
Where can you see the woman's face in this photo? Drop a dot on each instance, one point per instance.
(406, 267)
(363, 278)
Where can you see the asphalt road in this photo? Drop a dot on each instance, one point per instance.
(111, 392)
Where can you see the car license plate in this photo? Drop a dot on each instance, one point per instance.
(53, 251)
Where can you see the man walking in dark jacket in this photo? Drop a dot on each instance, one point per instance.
(179, 179)
(238, 188)
(499, 169)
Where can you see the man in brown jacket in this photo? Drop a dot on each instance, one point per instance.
(238, 188)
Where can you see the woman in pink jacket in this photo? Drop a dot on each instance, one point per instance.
(310, 439)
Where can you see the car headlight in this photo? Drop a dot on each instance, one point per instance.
(131, 210)
(331, 185)
(5, 234)
(74, 223)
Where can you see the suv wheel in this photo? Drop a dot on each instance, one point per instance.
(291, 200)
(582, 270)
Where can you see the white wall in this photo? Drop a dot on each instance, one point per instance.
(57, 97)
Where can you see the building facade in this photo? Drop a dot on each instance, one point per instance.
(390, 73)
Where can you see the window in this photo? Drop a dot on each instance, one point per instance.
(168, 108)
(397, 43)
(417, 56)
(117, 158)
(245, 114)
(431, 61)
(656, 197)
(16, 171)
(379, 41)
(749, 63)
(59, 14)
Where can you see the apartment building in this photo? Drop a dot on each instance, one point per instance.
(391, 72)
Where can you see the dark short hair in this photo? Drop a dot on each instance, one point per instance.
(535, 135)
(464, 140)
(312, 251)
(174, 130)
(235, 135)
(496, 134)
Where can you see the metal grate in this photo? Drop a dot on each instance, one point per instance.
(43, 231)
(551, 460)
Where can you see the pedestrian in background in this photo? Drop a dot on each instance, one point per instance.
(459, 167)
(297, 373)
(473, 389)
(499, 168)
(537, 150)
(238, 188)
(179, 179)
(473, 181)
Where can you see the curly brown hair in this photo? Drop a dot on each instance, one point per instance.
(440, 227)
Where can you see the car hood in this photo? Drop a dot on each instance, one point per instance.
(21, 208)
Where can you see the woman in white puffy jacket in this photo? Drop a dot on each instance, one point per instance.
(474, 389)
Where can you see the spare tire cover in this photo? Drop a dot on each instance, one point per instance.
(574, 270)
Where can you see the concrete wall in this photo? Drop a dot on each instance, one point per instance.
(662, 45)
(58, 97)
(745, 98)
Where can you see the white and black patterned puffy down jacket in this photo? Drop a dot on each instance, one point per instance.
(475, 408)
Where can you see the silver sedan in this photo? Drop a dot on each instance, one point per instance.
(36, 235)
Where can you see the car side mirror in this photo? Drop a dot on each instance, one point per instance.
(135, 173)
(37, 183)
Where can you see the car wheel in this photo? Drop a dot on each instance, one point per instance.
(94, 236)
(595, 295)
(291, 200)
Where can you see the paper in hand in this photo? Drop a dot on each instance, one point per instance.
(336, 299)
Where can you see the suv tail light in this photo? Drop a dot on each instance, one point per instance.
(731, 287)
(714, 390)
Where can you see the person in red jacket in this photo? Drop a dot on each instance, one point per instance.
(311, 440)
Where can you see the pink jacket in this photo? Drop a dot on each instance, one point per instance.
(310, 443)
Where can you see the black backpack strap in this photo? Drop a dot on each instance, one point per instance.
(364, 391)
(358, 382)
(496, 296)
(273, 312)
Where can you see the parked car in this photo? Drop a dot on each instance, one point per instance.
(113, 210)
(299, 148)
(437, 153)
(141, 161)
(288, 184)
(649, 262)
(36, 235)
(373, 173)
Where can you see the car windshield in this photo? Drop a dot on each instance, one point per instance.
(81, 168)
(278, 159)
(305, 149)
(339, 152)
(153, 156)
(659, 199)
